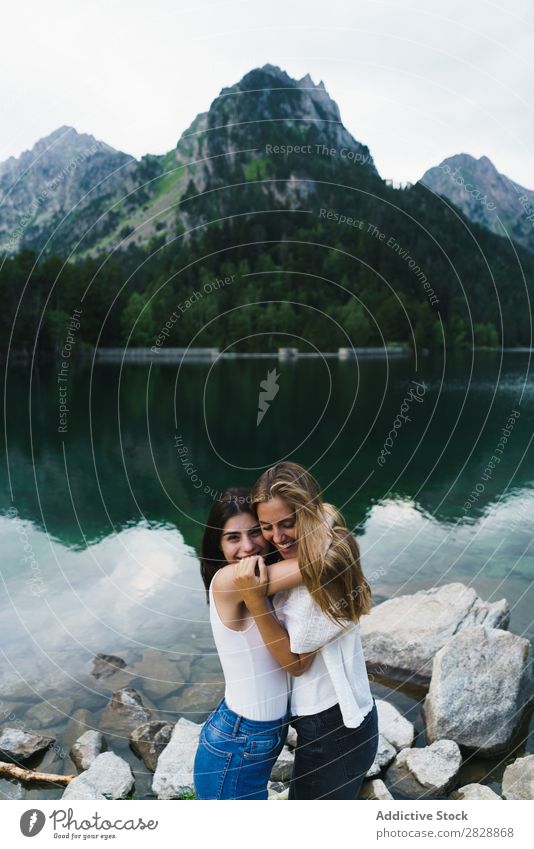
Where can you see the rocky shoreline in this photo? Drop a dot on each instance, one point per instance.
(477, 676)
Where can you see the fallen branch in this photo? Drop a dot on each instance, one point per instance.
(31, 775)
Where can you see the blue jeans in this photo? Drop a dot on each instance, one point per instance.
(235, 755)
(330, 759)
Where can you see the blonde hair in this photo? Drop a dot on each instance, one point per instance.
(328, 554)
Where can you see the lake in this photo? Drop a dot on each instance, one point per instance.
(103, 504)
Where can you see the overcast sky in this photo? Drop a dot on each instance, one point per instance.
(416, 80)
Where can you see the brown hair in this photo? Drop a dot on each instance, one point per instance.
(231, 502)
(328, 554)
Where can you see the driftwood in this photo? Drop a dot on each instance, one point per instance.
(31, 775)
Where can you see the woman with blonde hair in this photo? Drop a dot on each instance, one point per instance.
(332, 708)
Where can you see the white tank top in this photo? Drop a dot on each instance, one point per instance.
(256, 685)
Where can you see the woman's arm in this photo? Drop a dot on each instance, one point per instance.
(275, 637)
(280, 576)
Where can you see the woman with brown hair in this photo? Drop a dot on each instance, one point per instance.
(242, 738)
(332, 708)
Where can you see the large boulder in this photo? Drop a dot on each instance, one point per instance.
(86, 749)
(401, 636)
(427, 772)
(480, 689)
(21, 746)
(518, 779)
(174, 772)
(149, 740)
(108, 777)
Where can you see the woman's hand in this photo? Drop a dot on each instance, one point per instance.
(252, 588)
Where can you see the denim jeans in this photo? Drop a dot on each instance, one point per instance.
(330, 759)
(235, 755)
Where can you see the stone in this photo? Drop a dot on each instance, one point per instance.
(158, 676)
(474, 791)
(86, 749)
(207, 669)
(52, 711)
(105, 665)
(393, 726)
(430, 771)
(195, 701)
(480, 690)
(375, 789)
(174, 771)
(11, 789)
(291, 740)
(149, 740)
(277, 791)
(283, 768)
(20, 746)
(81, 721)
(518, 779)
(108, 777)
(401, 636)
(124, 712)
(384, 755)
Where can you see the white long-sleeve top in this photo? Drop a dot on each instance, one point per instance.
(338, 674)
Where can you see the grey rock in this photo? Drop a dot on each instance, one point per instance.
(375, 789)
(481, 687)
(393, 726)
(105, 665)
(157, 675)
(52, 711)
(430, 771)
(174, 771)
(283, 768)
(21, 746)
(474, 791)
(11, 789)
(195, 701)
(81, 721)
(108, 777)
(384, 755)
(291, 737)
(401, 636)
(277, 791)
(86, 749)
(124, 712)
(518, 779)
(149, 740)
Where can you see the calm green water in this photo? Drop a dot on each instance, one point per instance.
(110, 512)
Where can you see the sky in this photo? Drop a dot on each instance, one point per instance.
(415, 80)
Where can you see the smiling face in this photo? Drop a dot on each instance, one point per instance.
(278, 526)
(242, 537)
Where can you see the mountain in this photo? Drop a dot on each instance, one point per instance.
(66, 171)
(269, 193)
(485, 196)
(101, 197)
